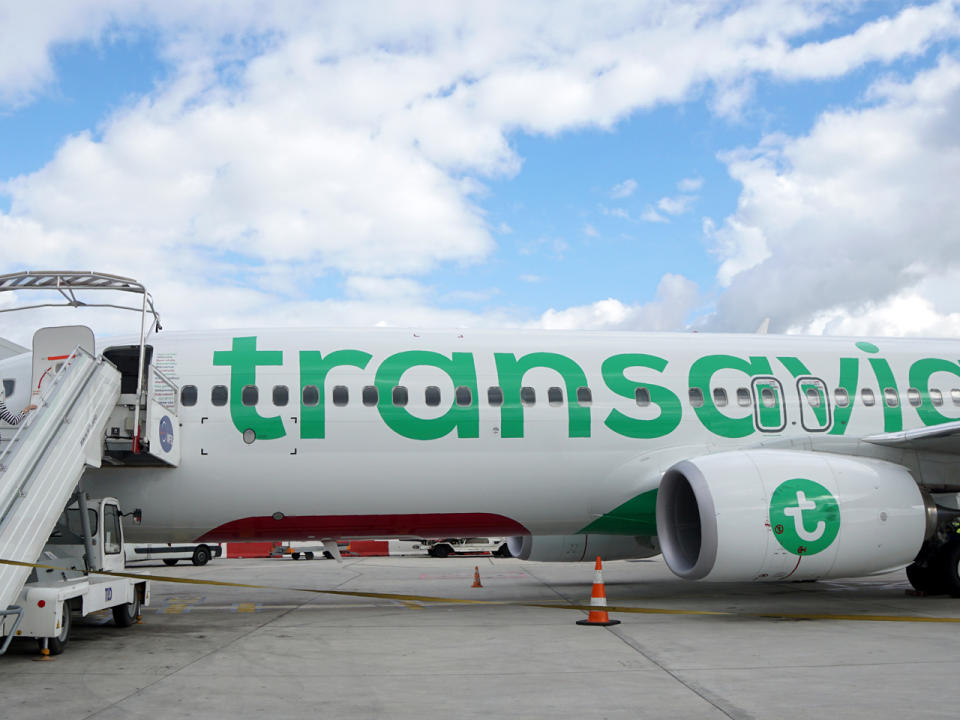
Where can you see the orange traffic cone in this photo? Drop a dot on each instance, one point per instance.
(476, 577)
(598, 601)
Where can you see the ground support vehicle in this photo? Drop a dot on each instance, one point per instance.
(51, 598)
(445, 547)
(199, 554)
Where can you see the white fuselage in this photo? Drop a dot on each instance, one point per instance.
(341, 468)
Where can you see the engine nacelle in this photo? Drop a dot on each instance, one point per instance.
(578, 548)
(779, 514)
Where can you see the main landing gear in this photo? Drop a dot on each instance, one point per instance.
(936, 571)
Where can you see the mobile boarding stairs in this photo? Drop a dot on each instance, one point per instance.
(80, 414)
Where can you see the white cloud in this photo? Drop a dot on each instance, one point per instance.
(651, 215)
(676, 298)
(850, 219)
(624, 189)
(590, 231)
(677, 205)
(691, 184)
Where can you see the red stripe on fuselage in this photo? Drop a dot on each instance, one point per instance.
(310, 527)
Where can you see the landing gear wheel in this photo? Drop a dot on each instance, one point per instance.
(56, 644)
(126, 615)
(170, 561)
(308, 556)
(925, 579)
(503, 551)
(949, 574)
(201, 556)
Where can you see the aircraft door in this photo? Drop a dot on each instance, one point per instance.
(815, 413)
(52, 347)
(769, 411)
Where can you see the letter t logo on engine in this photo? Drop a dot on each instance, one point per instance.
(805, 516)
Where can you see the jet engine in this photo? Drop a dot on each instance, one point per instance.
(577, 548)
(781, 514)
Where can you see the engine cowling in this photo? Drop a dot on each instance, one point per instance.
(578, 548)
(779, 514)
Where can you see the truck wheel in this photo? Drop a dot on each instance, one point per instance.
(126, 615)
(308, 556)
(201, 556)
(56, 644)
(295, 556)
(442, 551)
(170, 561)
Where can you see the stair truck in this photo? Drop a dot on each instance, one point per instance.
(51, 598)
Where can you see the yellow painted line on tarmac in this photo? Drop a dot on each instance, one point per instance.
(175, 608)
(246, 607)
(408, 600)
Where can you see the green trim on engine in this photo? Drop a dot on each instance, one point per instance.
(637, 516)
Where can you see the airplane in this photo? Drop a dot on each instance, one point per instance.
(738, 457)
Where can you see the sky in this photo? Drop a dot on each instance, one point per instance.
(561, 165)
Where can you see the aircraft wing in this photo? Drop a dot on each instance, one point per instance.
(943, 438)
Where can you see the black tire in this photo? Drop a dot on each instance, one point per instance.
(126, 615)
(442, 551)
(170, 561)
(328, 555)
(308, 556)
(56, 644)
(949, 569)
(503, 551)
(295, 556)
(201, 555)
(925, 579)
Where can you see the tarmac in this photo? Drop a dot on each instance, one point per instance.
(800, 650)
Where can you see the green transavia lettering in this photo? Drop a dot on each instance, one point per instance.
(638, 378)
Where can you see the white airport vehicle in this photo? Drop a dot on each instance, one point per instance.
(51, 598)
(751, 457)
(172, 553)
(465, 546)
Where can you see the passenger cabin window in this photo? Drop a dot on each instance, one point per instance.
(370, 395)
(400, 396)
(743, 397)
(188, 395)
(464, 396)
(495, 396)
(841, 397)
(955, 396)
(696, 397)
(643, 397)
(250, 395)
(867, 396)
(555, 396)
(8, 387)
(584, 396)
(528, 395)
(431, 396)
(310, 395)
(913, 397)
(936, 397)
(813, 397)
(768, 397)
(719, 397)
(341, 396)
(890, 397)
(281, 395)
(218, 395)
